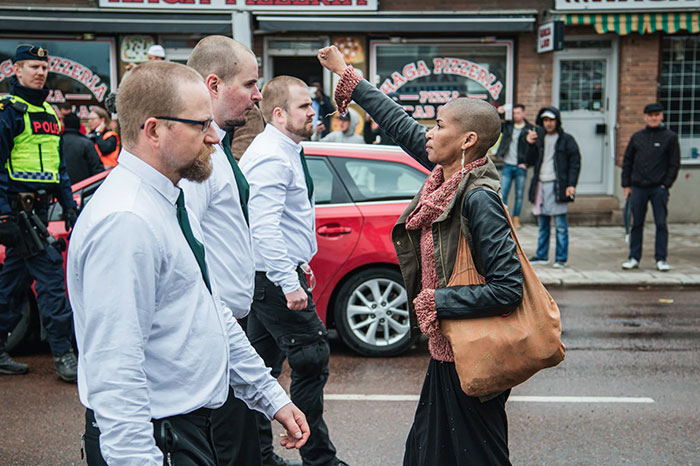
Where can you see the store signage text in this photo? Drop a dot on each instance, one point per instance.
(452, 66)
(299, 5)
(550, 37)
(66, 67)
(635, 5)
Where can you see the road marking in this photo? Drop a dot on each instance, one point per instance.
(516, 398)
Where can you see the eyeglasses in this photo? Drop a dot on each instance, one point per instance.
(205, 124)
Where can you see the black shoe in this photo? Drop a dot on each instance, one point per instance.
(276, 460)
(66, 366)
(9, 366)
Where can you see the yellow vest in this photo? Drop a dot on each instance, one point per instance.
(35, 156)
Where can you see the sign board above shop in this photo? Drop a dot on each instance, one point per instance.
(550, 37)
(251, 5)
(625, 5)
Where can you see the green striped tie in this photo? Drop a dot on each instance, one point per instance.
(196, 247)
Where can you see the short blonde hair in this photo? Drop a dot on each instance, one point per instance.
(276, 94)
(151, 89)
(219, 55)
(102, 113)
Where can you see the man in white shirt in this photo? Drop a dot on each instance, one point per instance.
(157, 348)
(283, 320)
(230, 72)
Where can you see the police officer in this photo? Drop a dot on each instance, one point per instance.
(31, 171)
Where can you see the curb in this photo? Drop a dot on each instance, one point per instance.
(607, 278)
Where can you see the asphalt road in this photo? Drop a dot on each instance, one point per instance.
(639, 358)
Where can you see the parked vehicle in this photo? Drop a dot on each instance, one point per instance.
(360, 191)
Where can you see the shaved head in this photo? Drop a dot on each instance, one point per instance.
(219, 55)
(478, 116)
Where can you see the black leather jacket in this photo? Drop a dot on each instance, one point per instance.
(481, 218)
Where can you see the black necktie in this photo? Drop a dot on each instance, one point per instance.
(241, 182)
(307, 175)
(196, 247)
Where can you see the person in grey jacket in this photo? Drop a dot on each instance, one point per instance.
(346, 133)
(82, 160)
(460, 197)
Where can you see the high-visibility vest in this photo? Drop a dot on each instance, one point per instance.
(109, 160)
(35, 155)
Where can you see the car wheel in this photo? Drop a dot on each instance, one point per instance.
(24, 327)
(372, 315)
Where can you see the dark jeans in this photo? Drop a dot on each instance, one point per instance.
(277, 332)
(508, 173)
(46, 268)
(185, 440)
(562, 228)
(235, 434)
(640, 197)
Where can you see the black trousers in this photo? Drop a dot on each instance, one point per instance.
(277, 332)
(46, 268)
(640, 197)
(185, 440)
(235, 434)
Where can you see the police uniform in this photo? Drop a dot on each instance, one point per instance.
(31, 163)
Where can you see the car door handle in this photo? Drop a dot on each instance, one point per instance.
(330, 231)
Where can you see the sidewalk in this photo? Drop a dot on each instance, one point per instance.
(596, 255)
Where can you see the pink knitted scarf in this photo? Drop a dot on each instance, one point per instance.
(435, 196)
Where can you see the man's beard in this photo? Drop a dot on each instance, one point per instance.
(304, 131)
(229, 125)
(200, 168)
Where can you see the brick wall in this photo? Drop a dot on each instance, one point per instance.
(638, 81)
(533, 75)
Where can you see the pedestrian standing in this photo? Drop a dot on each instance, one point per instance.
(32, 170)
(557, 161)
(158, 349)
(323, 107)
(649, 168)
(220, 204)
(82, 160)
(461, 196)
(513, 150)
(283, 320)
(106, 140)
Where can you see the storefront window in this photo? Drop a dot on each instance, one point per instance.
(423, 76)
(680, 91)
(80, 72)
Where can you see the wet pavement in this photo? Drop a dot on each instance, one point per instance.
(597, 253)
(632, 343)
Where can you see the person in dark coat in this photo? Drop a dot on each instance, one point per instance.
(82, 160)
(461, 196)
(557, 161)
(649, 168)
(324, 108)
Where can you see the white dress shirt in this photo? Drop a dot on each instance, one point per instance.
(153, 342)
(282, 218)
(229, 246)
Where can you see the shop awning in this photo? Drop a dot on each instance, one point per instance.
(398, 24)
(95, 21)
(643, 23)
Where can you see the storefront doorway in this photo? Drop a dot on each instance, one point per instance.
(296, 57)
(585, 90)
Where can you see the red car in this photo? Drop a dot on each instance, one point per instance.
(360, 192)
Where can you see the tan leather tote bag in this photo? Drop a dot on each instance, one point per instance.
(493, 354)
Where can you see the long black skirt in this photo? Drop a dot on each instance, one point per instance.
(451, 428)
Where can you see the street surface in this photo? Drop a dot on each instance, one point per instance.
(639, 358)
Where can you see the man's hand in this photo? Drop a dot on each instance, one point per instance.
(320, 127)
(627, 191)
(70, 216)
(570, 191)
(297, 299)
(531, 137)
(294, 422)
(523, 166)
(332, 59)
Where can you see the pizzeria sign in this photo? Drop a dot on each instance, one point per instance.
(257, 5)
